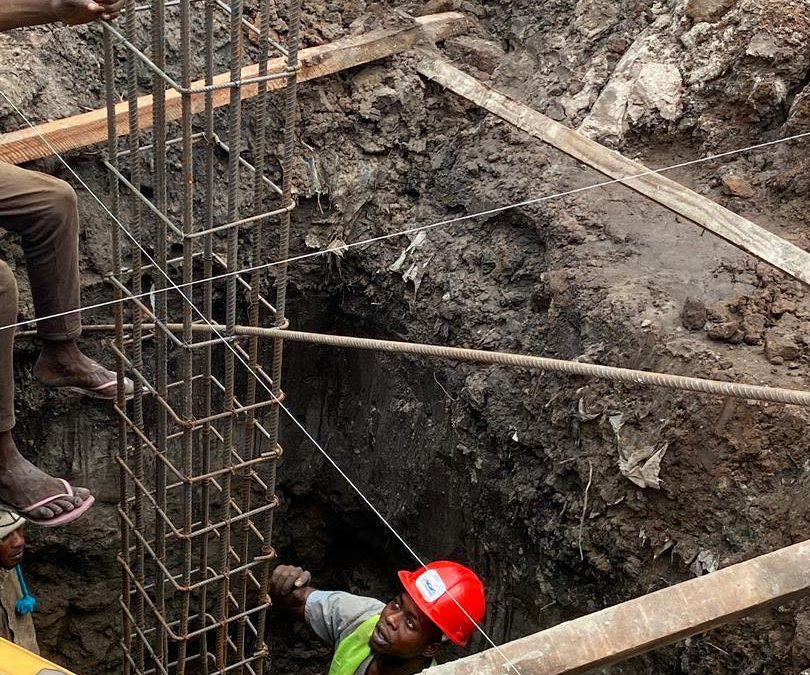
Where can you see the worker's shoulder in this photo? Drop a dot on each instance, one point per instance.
(344, 603)
(333, 615)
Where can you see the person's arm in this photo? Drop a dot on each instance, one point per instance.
(22, 13)
(289, 589)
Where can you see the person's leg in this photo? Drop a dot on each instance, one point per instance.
(43, 210)
(8, 316)
(21, 483)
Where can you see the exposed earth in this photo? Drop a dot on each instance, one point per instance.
(492, 465)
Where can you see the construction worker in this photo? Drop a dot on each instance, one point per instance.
(16, 604)
(42, 210)
(443, 601)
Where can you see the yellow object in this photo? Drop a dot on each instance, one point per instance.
(15, 660)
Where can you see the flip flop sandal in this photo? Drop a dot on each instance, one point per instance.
(64, 517)
(98, 392)
(105, 391)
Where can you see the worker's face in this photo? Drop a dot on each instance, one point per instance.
(404, 631)
(11, 548)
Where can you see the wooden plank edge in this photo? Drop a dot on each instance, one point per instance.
(735, 229)
(654, 620)
(89, 128)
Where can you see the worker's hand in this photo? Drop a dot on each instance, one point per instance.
(288, 578)
(74, 12)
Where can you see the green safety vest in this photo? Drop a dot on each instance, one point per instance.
(355, 649)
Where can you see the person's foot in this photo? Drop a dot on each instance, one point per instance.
(62, 364)
(23, 484)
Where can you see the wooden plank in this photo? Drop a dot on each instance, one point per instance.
(91, 127)
(735, 229)
(651, 621)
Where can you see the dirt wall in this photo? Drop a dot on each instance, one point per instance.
(487, 464)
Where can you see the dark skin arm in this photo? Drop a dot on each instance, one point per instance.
(289, 589)
(22, 13)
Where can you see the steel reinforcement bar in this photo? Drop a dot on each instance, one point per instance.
(698, 385)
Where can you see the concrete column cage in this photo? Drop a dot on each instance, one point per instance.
(198, 196)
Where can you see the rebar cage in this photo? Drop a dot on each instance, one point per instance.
(198, 441)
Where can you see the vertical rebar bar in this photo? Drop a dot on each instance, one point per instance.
(115, 235)
(208, 308)
(234, 143)
(290, 105)
(290, 99)
(137, 315)
(158, 15)
(188, 355)
(260, 107)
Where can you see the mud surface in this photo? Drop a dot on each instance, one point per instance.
(493, 465)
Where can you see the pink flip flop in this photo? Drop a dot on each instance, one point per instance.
(106, 391)
(64, 517)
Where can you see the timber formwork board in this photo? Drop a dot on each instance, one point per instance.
(82, 130)
(700, 210)
(651, 621)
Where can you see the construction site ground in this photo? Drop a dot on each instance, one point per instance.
(538, 480)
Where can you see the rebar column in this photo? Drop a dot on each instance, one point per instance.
(194, 444)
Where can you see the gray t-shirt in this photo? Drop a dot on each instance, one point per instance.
(334, 615)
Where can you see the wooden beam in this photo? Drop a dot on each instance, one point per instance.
(735, 229)
(661, 618)
(91, 127)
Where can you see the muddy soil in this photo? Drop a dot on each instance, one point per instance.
(526, 476)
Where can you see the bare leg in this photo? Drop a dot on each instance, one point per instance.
(29, 199)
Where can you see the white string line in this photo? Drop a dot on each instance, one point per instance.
(258, 379)
(393, 235)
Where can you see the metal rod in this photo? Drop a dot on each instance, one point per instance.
(137, 317)
(123, 496)
(234, 142)
(208, 304)
(698, 385)
(188, 357)
(161, 308)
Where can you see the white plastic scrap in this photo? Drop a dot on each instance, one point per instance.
(418, 240)
(642, 466)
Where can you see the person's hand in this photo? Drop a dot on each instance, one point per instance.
(74, 12)
(288, 578)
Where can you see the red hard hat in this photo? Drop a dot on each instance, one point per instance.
(451, 595)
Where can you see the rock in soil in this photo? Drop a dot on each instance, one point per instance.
(780, 347)
(737, 187)
(693, 314)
